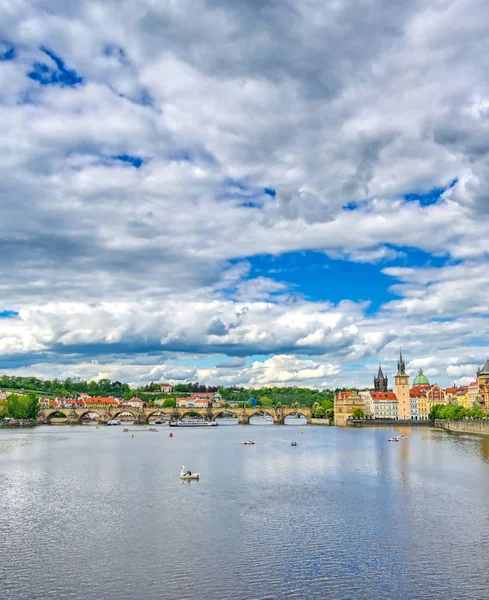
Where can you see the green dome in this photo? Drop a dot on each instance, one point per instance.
(421, 379)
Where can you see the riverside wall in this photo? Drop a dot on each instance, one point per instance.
(478, 427)
(387, 423)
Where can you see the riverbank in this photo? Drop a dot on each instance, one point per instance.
(463, 426)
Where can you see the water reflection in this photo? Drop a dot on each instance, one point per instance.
(345, 514)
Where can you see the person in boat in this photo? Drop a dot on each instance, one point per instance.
(189, 472)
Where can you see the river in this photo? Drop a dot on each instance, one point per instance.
(92, 514)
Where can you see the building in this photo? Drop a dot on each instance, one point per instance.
(473, 392)
(185, 402)
(368, 405)
(431, 396)
(165, 387)
(135, 403)
(401, 390)
(451, 394)
(94, 400)
(421, 379)
(380, 382)
(483, 383)
(415, 393)
(385, 405)
(463, 396)
(193, 402)
(344, 405)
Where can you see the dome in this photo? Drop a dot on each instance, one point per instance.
(421, 379)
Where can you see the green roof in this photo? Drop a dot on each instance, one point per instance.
(421, 379)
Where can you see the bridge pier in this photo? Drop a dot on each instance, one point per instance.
(243, 419)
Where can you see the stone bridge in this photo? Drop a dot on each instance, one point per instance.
(142, 416)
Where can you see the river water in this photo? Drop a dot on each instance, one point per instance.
(95, 514)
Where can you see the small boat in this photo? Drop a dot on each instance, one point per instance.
(114, 422)
(392, 440)
(249, 443)
(152, 429)
(188, 475)
(293, 443)
(125, 429)
(159, 422)
(171, 435)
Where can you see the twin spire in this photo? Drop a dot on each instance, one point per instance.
(381, 382)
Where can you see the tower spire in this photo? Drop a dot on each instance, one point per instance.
(401, 366)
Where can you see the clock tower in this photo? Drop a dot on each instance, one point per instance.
(401, 390)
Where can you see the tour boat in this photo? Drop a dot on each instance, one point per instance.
(114, 422)
(249, 443)
(193, 423)
(184, 475)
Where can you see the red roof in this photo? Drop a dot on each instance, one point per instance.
(383, 396)
(418, 390)
(164, 385)
(100, 400)
(451, 390)
(343, 395)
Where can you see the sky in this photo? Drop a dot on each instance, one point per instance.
(282, 192)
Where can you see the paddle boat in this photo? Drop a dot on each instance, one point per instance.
(392, 440)
(249, 443)
(188, 474)
(293, 443)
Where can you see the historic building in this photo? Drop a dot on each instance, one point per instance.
(380, 382)
(385, 405)
(344, 405)
(421, 379)
(432, 395)
(473, 393)
(483, 383)
(401, 389)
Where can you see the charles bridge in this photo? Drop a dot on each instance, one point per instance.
(142, 416)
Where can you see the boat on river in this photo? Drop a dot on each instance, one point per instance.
(114, 422)
(293, 443)
(193, 423)
(392, 440)
(249, 443)
(188, 475)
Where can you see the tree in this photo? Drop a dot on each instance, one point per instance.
(357, 413)
(170, 403)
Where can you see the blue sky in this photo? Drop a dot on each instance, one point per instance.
(221, 204)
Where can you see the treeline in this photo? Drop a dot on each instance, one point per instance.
(20, 407)
(271, 396)
(66, 387)
(455, 412)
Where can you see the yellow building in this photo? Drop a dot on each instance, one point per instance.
(401, 389)
(432, 396)
(463, 398)
(344, 405)
(483, 383)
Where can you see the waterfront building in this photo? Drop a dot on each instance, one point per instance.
(451, 394)
(432, 395)
(401, 390)
(380, 382)
(385, 405)
(367, 403)
(473, 392)
(135, 402)
(483, 383)
(415, 393)
(344, 405)
(463, 398)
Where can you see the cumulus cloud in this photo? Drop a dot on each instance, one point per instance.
(140, 146)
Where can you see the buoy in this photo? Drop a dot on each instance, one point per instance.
(171, 435)
(302, 431)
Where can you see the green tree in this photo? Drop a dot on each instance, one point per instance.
(357, 413)
(170, 403)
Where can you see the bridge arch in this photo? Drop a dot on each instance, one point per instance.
(123, 411)
(90, 411)
(193, 413)
(159, 412)
(49, 413)
(226, 412)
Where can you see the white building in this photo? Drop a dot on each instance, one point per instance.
(385, 405)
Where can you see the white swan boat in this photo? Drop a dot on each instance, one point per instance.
(184, 474)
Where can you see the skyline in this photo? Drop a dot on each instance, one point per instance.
(244, 195)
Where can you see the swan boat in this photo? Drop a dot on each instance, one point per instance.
(183, 474)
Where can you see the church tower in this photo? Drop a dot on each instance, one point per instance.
(401, 390)
(380, 382)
